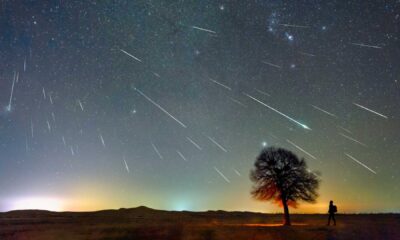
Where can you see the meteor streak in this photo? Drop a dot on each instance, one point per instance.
(352, 139)
(126, 165)
(370, 110)
(222, 85)
(262, 92)
(307, 54)
(156, 150)
(324, 111)
(217, 144)
(44, 93)
(194, 143)
(102, 140)
(273, 109)
(203, 29)
(161, 108)
(80, 104)
(293, 25)
(365, 45)
(362, 164)
(130, 55)
(271, 64)
(238, 102)
(11, 96)
(181, 155)
(301, 149)
(237, 172)
(222, 175)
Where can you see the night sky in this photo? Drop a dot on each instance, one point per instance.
(167, 103)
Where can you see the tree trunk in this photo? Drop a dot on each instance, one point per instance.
(286, 216)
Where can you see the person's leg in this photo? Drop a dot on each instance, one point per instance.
(329, 219)
(334, 220)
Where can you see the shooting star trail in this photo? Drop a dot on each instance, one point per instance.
(80, 104)
(11, 96)
(220, 84)
(44, 93)
(217, 144)
(53, 116)
(362, 164)
(271, 64)
(126, 165)
(282, 114)
(238, 102)
(102, 140)
(222, 175)
(345, 129)
(370, 110)
(293, 25)
(307, 54)
(161, 108)
(25, 64)
(48, 125)
(72, 151)
(63, 140)
(352, 139)
(194, 143)
(31, 128)
(301, 149)
(156, 150)
(262, 92)
(156, 74)
(16, 77)
(181, 155)
(130, 55)
(203, 29)
(324, 111)
(51, 99)
(366, 45)
(237, 172)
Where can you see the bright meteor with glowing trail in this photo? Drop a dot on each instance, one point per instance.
(273, 109)
(370, 110)
(362, 164)
(161, 108)
(130, 55)
(11, 96)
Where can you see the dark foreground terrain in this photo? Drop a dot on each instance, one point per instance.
(145, 223)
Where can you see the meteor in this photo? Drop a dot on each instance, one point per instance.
(130, 55)
(273, 109)
(307, 54)
(238, 102)
(222, 85)
(161, 108)
(8, 108)
(217, 144)
(222, 175)
(156, 150)
(25, 64)
(126, 165)
(64, 142)
(293, 25)
(237, 172)
(362, 164)
(365, 45)
(271, 64)
(352, 139)
(80, 104)
(181, 155)
(102, 140)
(262, 92)
(194, 143)
(324, 111)
(301, 149)
(370, 110)
(203, 29)
(44, 93)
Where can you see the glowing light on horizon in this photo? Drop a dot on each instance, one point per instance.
(37, 203)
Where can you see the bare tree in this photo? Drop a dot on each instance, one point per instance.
(281, 176)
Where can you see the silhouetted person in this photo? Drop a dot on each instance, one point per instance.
(332, 210)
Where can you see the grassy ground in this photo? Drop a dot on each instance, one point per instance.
(143, 223)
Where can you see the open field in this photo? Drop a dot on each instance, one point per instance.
(145, 223)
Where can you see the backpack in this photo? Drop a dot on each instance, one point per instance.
(334, 208)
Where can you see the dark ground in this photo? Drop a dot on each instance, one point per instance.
(145, 223)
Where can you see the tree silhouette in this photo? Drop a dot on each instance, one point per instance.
(281, 176)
